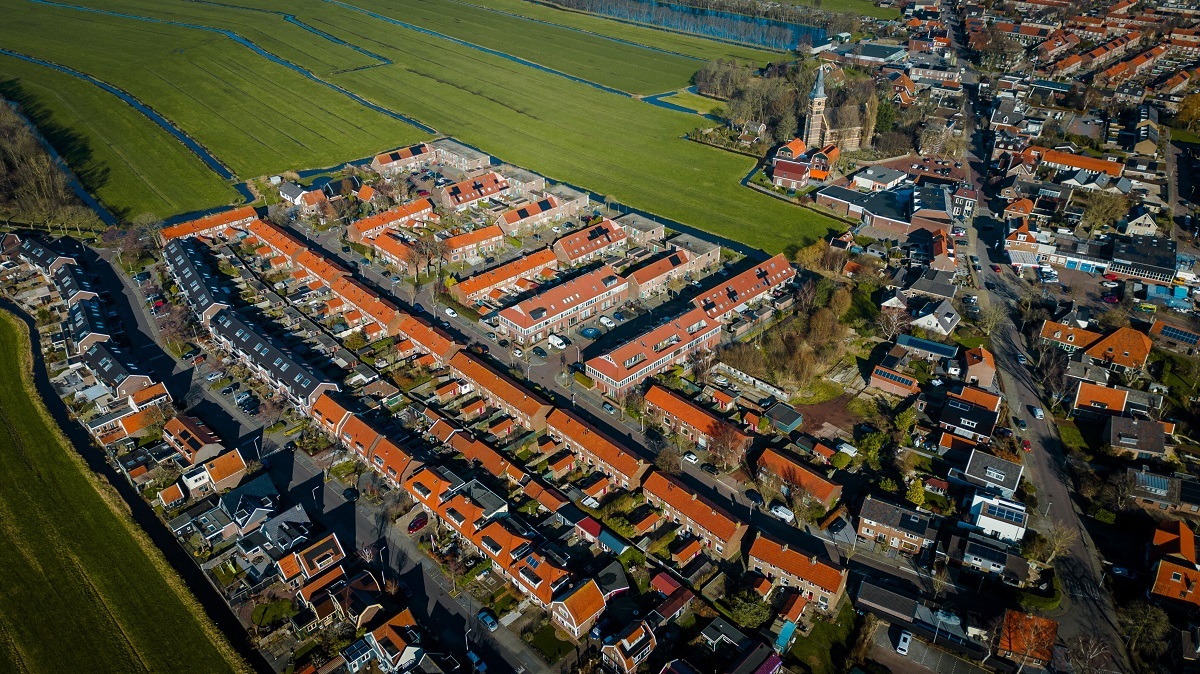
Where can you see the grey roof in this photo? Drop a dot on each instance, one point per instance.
(720, 630)
(283, 532)
(200, 285)
(612, 578)
(289, 372)
(1145, 251)
(291, 191)
(1144, 436)
(1016, 567)
(454, 147)
(110, 364)
(85, 318)
(990, 470)
(485, 498)
(935, 283)
(71, 280)
(898, 517)
(784, 414)
(881, 174)
(888, 600)
(692, 244)
(818, 90)
(245, 498)
(944, 313)
(931, 198)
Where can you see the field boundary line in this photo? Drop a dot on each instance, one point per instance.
(254, 47)
(471, 45)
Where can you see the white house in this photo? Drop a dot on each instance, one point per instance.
(999, 517)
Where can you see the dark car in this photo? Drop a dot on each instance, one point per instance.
(590, 333)
(710, 469)
(350, 494)
(599, 628)
(228, 390)
(418, 308)
(1021, 424)
(1004, 432)
(418, 523)
(754, 497)
(290, 446)
(837, 526)
(988, 285)
(618, 317)
(503, 344)
(191, 354)
(345, 249)
(539, 352)
(480, 349)
(404, 588)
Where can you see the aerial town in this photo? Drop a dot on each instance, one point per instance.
(436, 412)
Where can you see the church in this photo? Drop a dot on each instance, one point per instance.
(820, 128)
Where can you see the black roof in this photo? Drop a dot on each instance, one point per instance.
(975, 418)
(110, 364)
(71, 280)
(1148, 251)
(199, 284)
(293, 374)
(898, 517)
(87, 318)
(38, 252)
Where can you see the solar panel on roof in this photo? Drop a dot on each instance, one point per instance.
(999, 512)
(1180, 335)
(1155, 484)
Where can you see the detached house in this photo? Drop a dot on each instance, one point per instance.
(1176, 572)
(577, 610)
(899, 527)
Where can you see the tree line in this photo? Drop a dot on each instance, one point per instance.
(34, 189)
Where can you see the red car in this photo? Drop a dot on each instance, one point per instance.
(997, 268)
(1111, 299)
(1026, 445)
(418, 523)
(1111, 277)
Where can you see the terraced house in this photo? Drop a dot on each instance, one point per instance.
(557, 309)
(624, 467)
(501, 391)
(737, 293)
(628, 365)
(716, 528)
(288, 376)
(816, 579)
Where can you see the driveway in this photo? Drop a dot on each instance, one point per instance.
(921, 657)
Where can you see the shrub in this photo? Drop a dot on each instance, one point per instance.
(840, 460)
(1104, 515)
(584, 380)
(1037, 602)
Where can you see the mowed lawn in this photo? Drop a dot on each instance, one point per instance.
(257, 116)
(128, 162)
(709, 50)
(79, 594)
(701, 104)
(572, 132)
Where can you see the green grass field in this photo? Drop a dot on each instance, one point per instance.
(709, 50)
(118, 154)
(863, 7)
(80, 592)
(257, 116)
(701, 104)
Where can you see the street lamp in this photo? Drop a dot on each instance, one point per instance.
(467, 644)
(383, 569)
(1048, 504)
(315, 494)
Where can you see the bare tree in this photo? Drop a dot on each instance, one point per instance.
(726, 444)
(669, 459)
(795, 492)
(1087, 653)
(1122, 490)
(940, 579)
(1027, 639)
(194, 396)
(891, 322)
(701, 362)
(805, 296)
(991, 317)
(367, 554)
(1059, 539)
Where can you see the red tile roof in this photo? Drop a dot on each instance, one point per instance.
(686, 501)
(793, 471)
(225, 466)
(621, 459)
(498, 384)
(564, 297)
(518, 268)
(1125, 347)
(207, 223)
(588, 240)
(746, 286)
(821, 573)
(688, 412)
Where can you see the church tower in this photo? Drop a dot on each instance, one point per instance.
(814, 122)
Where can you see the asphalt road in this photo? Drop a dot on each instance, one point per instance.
(1087, 607)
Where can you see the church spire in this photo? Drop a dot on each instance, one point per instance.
(819, 88)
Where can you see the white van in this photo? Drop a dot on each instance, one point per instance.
(556, 342)
(607, 322)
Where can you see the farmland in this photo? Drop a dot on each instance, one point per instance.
(260, 117)
(118, 154)
(863, 7)
(257, 116)
(80, 591)
(701, 104)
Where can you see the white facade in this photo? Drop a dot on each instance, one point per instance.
(999, 517)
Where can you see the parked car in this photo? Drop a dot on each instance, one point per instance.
(1124, 572)
(710, 469)
(489, 621)
(607, 407)
(1026, 445)
(997, 268)
(418, 308)
(1020, 423)
(451, 312)
(618, 317)
(503, 344)
(1111, 277)
(518, 352)
(350, 494)
(1038, 413)
(754, 497)
(1109, 284)
(418, 523)
(491, 336)
(600, 628)
(607, 322)
(540, 352)
(905, 640)
(365, 262)
(1111, 299)
(556, 341)
(781, 511)
(480, 349)
(242, 397)
(1022, 359)
(590, 333)
(345, 249)
(691, 457)
(214, 376)
(229, 389)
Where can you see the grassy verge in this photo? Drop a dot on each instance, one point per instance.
(701, 104)
(862, 7)
(827, 644)
(73, 557)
